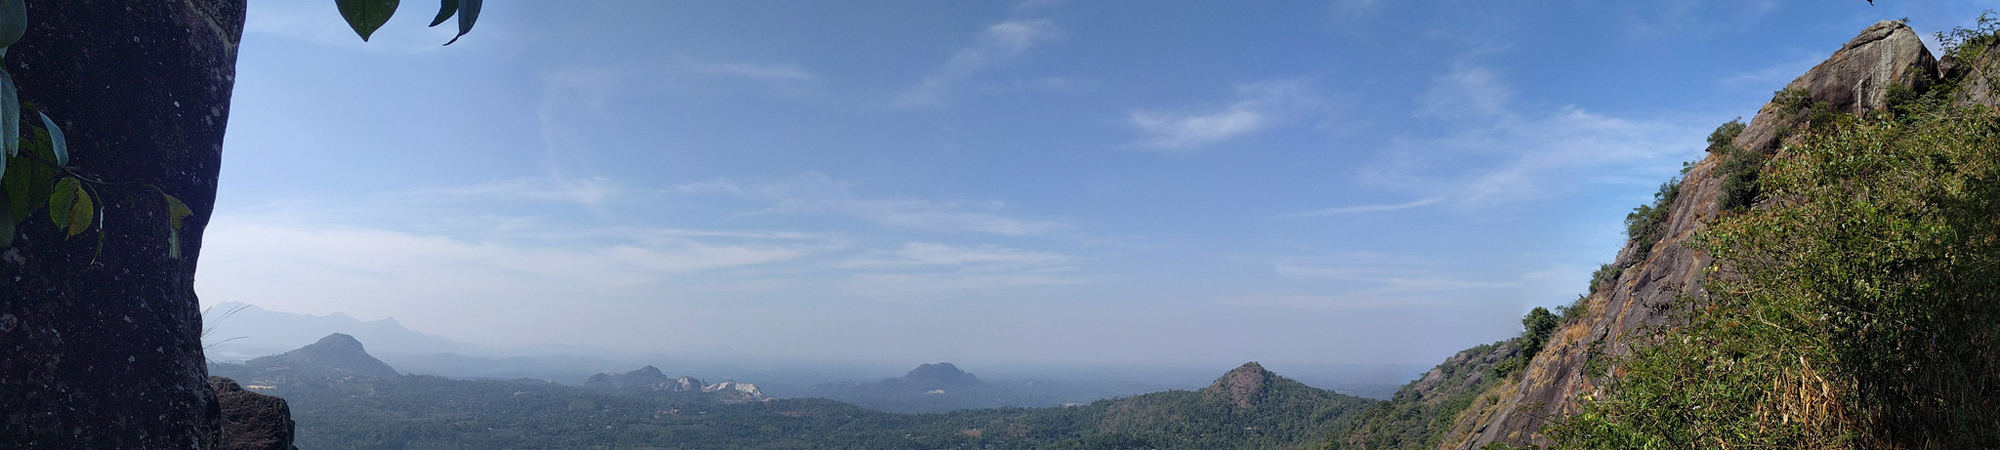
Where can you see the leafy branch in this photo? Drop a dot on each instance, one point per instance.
(42, 178)
(365, 16)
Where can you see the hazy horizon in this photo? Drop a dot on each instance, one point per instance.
(1016, 183)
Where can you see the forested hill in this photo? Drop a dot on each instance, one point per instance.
(1824, 278)
(1248, 408)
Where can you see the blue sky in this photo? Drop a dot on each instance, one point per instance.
(1049, 182)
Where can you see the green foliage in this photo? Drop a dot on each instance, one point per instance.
(1647, 224)
(446, 8)
(437, 413)
(1739, 171)
(10, 118)
(1965, 43)
(70, 207)
(468, 12)
(1418, 416)
(13, 22)
(364, 16)
(58, 145)
(1577, 309)
(1859, 312)
(1536, 328)
(1725, 136)
(1606, 274)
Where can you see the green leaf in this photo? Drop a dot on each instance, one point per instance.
(6, 228)
(19, 181)
(366, 15)
(468, 12)
(174, 243)
(13, 21)
(176, 210)
(10, 114)
(445, 9)
(56, 141)
(70, 207)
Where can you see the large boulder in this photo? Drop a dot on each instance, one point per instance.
(252, 421)
(1855, 80)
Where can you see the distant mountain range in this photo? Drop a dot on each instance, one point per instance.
(1246, 408)
(250, 331)
(649, 379)
(334, 356)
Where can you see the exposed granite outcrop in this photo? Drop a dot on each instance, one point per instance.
(252, 421)
(1243, 386)
(1856, 79)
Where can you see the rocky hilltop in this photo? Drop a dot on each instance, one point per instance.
(335, 356)
(937, 376)
(651, 379)
(1650, 278)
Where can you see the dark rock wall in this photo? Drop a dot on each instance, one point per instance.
(104, 350)
(251, 421)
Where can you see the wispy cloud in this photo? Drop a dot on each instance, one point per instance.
(1257, 106)
(929, 255)
(1497, 152)
(997, 44)
(776, 72)
(1345, 210)
(588, 191)
(923, 270)
(1351, 11)
(1369, 280)
(815, 193)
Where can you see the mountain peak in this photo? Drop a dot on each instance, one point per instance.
(938, 371)
(335, 355)
(939, 375)
(1243, 385)
(339, 342)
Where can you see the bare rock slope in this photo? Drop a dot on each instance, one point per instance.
(1856, 79)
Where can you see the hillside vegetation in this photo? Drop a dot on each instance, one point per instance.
(1824, 279)
(1859, 307)
(1248, 408)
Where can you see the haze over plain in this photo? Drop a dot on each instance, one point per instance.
(1049, 182)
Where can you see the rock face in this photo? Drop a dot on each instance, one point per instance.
(651, 379)
(1856, 79)
(104, 350)
(335, 356)
(1243, 386)
(252, 421)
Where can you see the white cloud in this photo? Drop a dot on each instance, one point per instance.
(815, 193)
(922, 270)
(1345, 210)
(1497, 152)
(1368, 280)
(1256, 106)
(927, 255)
(999, 43)
(774, 72)
(1383, 274)
(589, 191)
(1351, 10)
(1341, 302)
